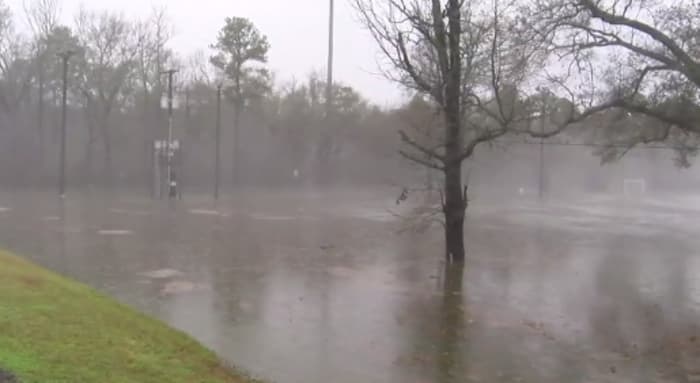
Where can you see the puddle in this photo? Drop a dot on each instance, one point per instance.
(115, 232)
(182, 287)
(264, 217)
(130, 212)
(208, 212)
(162, 274)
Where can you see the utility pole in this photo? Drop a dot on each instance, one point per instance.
(326, 139)
(40, 65)
(329, 80)
(65, 56)
(217, 161)
(169, 146)
(541, 173)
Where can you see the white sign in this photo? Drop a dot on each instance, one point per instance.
(163, 144)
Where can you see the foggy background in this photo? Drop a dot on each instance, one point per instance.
(281, 130)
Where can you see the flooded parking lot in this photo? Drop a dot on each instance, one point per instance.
(322, 287)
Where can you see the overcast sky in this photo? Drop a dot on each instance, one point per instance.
(297, 30)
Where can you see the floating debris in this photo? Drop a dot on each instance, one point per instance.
(208, 212)
(182, 287)
(130, 212)
(115, 232)
(163, 274)
(265, 217)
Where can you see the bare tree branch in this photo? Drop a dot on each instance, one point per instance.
(421, 161)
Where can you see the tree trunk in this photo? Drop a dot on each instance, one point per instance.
(107, 154)
(88, 158)
(454, 209)
(455, 200)
(451, 323)
(87, 164)
(236, 143)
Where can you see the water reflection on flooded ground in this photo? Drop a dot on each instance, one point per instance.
(305, 288)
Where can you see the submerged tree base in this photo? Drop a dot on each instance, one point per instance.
(56, 330)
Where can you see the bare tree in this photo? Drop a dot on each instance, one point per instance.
(42, 15)
(14, 66)
(152, 57)
(15, 84)
(110, 47)
(42, 18)
(637, 59)
(476, 70)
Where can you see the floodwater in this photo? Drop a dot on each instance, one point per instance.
(327, 287)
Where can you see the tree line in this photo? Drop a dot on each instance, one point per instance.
(273, 132)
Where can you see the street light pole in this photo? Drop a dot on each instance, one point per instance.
(329, 80)
(217, 161)
(65, 56)
(169, 153)
(326, 137)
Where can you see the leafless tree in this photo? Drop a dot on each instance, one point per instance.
(637, 60)
(110, 48)
(152, 57)
(15, 73)
(151, 60)
(42, 18)
(477, 71)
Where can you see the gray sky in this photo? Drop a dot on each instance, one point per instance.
(297, 30)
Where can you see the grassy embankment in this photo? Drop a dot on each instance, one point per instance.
(53, 330)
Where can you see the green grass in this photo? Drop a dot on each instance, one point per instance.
(53, 330)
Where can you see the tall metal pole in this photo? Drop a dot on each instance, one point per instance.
(64, 106)
(329, 81)
(40, 124)
(326, 139)
(169, 153)
(217, 166)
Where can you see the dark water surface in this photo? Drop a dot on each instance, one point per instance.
(320, 287)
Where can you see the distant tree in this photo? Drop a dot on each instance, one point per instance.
(635, 62)
(16, 71)
(152, 59)
(15, 66)
(42, 17)
(420, 120)
(240, 52)
(60, 39)
(109, 46)
(300, 117)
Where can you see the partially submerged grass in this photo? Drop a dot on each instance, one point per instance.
(54, 330)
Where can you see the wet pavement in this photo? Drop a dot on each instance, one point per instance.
(322, 287)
